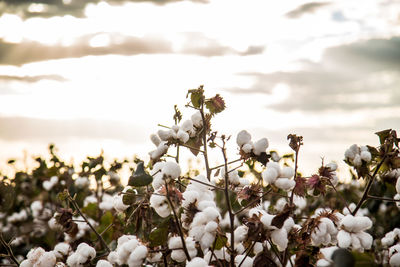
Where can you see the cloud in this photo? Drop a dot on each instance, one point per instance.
(354, 76)
(116, 44)
(22, 128)
(32, 79)
(307, 8)
(76, 8)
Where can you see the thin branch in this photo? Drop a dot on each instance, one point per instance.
(99, 237)
(231, 215)
(178, 223)
(207, 184)
(222, 165)
(194, 148)
(383, 198)
(105, 230)
(247, 253)
(204, 137)
(10, 253)
(134, 211)
(254, 201)
(371, 180)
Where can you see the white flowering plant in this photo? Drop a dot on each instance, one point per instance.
(257, 209)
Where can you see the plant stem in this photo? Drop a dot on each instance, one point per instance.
(178, 223)
(247, 253)
(368, 187)
(337, 193)
(222, 165)
(383, 198)
(10, 253)
(200, 182)
(204, 136)
(99, 237)
(231, 215)
(134, 211)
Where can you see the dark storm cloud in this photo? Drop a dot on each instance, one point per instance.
(31, 79)
(59, 7)
(21, 128)
(349, 77)
(193, 44)
(305, 9)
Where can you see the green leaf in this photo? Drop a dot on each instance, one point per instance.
(129, 197)
(383, 135)
(363, 259)
(140, 177)
(62, 196)
(159, 236)
(196, 143)
(220, 242)
(196, 96)
(91, 210)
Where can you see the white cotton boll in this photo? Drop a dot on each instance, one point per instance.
(62, 249)
(266, 220)
(187, 126)
(212, 213)
(394, 250)
(73, 260)
(285, 183)
(164, 135)
(248, 261)
(125, 238)
(288, 224)
(323, 263)
(139, 253)
(279, 238)
(174, 242)
(113, 257)
(363, 148)
(244, 181)
(258, 247)
(260, 146)
(171, 170)
(53, 225)
(26, 263)
(366, 156)
(86, 250)
(355, 242)
(344, 239)
(243, 137)
(362, 223)
(107, 202)
(47, 185)
(48, 259)
(163, 211)
(234, 177)
(349, 154)
(197, 119)
(274, 165)
(269, 175)
(398, 185)
(365, 239)
(247, 148)
(211, 226)
(182, 136)
(200, 218)
(154, 257)
(207, 240)
(34, 254)
(355, 148)
(357, 160)
(241, 233)
(239, 247)
(330, 227)
(178, 255)
(89, 199)
(54, 179)
(118, 204)
(349, 222)
(103, 263)
(300, 202)
(197, 262)
(189, 197)
(287, 172)
(155, 139)
(81, 182)
(332, 166)
(397, 197)
(394, 261)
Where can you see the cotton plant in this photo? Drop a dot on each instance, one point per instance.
(130, 250)
(38, 257)
(352, 233)
(357, 155)
(279, 177)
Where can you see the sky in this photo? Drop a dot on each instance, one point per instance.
(93, 75)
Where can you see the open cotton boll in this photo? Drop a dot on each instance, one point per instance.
(365, 239)
(47, 185)
(137, 256)
(241, 233)
(357, 160)
(243, 137)
(81, 182)
(189, 196)
(285, 183)
(175, 128)
(154, 257)
(398, 185)
(187, 126)
(207, 240)
(161, 150)
(182, 136)
(103, 263)
(287, 172)
(62, 249)
(247, 261)
(344, 239)
(197, 119)
(212, 213)
(211, 226)
(164, 135)
(366, 156)
(260, 146)
(155, 139)
(118, 203)
(86, 250)
(269, 175)
(26, 263)
(394, 260)
(362, 223)
(266, 220)
(349, 223)
(171, 170)
(332, 166)
(247, 148)
(202, 205)
(349, 154)
(34, 254)
(197, 262)
(279, 238)
(107, 202)
(48, 259)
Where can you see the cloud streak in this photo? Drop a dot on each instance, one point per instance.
(32, 79)
(307, 8)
